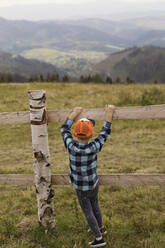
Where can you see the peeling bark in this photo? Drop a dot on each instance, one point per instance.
(42, 171)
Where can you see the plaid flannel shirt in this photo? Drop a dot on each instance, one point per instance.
(83, 157)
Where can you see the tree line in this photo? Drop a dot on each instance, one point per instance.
(54, 77)
(9, 77)
(96, 78)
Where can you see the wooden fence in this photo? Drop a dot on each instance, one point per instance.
(42, 178)
(121, 113)
(123, 180)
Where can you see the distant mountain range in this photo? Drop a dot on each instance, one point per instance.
(89, 34)
(77, 45)
(18, 36)
(18, 65)
(144, 64)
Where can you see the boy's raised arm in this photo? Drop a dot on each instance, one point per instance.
(106, 129)
(75, 113)
(65, 129)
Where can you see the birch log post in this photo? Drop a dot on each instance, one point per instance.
(42, 171)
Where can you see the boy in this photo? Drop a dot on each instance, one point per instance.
(83, 166)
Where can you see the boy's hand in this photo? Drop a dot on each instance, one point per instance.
(109, 110)
(75, 113)
(78, 110)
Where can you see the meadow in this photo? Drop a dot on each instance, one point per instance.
(134, 217)
(74, 61)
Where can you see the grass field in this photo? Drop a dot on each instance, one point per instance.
(134, 217)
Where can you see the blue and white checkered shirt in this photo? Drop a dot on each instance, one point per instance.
(83, 157)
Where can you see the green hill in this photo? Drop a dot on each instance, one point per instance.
(73, 62)
(12, 64)
(144, 64)
(74, 45)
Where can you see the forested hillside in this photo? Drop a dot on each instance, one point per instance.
(144, 64)
(17, 68)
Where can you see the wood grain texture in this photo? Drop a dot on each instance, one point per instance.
(121, 113)
(123, 180)
(16, 179)
(14, 117)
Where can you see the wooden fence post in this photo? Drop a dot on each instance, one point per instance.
(42, 171)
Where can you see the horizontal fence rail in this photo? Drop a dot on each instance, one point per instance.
(121, 113)
(123, 180)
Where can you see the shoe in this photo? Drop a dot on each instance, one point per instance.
(97, 243)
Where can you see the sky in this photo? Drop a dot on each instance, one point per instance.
(7, 3)
(77, 9)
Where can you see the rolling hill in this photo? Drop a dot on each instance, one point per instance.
(12, 64)
(73, 62)
(18, 36)
(75, 45)
(147, 30)
(101, 35)
(70, 46)
(144, 64)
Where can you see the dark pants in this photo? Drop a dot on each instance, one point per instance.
(89, 204)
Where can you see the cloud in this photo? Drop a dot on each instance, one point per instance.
(7, 3)
(135, 2)
(63, 9)
(138, 1)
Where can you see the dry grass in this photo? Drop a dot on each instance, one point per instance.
(13, 97)
(134, 146)
(134, 217)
